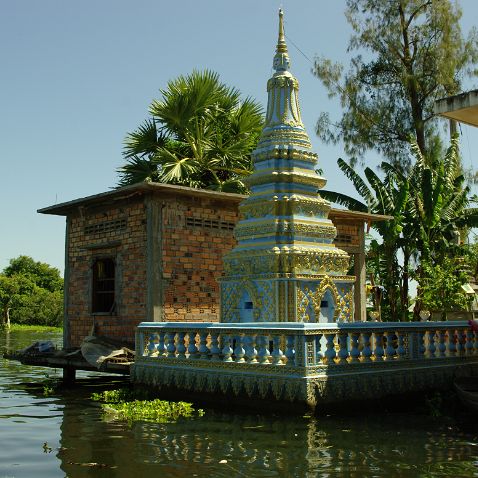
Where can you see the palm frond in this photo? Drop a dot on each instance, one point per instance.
(344, 200)
(176, 169)
(138, 169)
(144, 140)
(357, 181)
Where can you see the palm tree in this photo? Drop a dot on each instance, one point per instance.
(200, 135)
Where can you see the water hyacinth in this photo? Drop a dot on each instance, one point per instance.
(123, 404)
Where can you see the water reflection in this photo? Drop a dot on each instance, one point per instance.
(220, 444)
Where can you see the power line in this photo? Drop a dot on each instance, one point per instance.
(299, 50)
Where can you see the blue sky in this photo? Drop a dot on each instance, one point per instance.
(78, 75)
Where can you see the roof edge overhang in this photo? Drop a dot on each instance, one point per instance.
(462, 108)
(65, 208)
(357, 216)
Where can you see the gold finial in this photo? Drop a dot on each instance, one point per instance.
(281, 45)
(281, 61)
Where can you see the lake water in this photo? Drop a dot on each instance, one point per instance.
(65, 435)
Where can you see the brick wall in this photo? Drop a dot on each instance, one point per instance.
(120, 233)
(348, 234)
(197, 232)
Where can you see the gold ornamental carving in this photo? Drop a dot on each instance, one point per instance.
(307, 297)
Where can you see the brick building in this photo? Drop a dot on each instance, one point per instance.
(154, 252)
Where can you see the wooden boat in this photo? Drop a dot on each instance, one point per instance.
(467, 390)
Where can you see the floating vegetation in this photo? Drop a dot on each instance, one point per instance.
(50, 385)
(125, 404)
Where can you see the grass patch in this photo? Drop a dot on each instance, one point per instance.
(34, 328)
(130, 405)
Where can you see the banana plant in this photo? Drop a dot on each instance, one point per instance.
(387, 196)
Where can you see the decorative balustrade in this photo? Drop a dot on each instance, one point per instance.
(300, 345)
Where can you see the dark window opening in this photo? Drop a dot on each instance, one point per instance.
(248, 305)
(324, 303)
(103, 286)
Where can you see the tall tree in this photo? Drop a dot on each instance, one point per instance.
(200, 134)
(9, 288)
(410, 53)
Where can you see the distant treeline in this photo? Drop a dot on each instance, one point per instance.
(31, 293)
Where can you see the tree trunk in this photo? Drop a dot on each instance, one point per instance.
(5, 316)
(411, 86)
(392, 286)
(405, 285)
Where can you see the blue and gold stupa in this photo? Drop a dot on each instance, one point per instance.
(285, 267)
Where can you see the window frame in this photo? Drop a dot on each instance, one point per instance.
(95, 303)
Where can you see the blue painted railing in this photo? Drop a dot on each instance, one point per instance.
(300, 345)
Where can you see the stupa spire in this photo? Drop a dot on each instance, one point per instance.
(285, 266)
(281, 58)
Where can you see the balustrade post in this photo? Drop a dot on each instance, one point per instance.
(366, 349)
(151, 343)
(263, 353)
(203, 350)
(181, 348)
(239, 351)
(401, 345)
(378, 351)
(215, 349)
(451, 346)
(354, 349)
(170, 347)
(460, 342)
(343, 352)
(161, 346)
(330, 353)
(192, 348)
(431, 348)
(421, 344)
(290, 350)
(227, 349)
(277, 353)
(441, 353)
(389, 349)
(251, 351)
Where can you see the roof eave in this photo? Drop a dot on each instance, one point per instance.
(65, 208)
(462, 108)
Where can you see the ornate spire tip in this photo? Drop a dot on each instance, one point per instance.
(281, 59)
